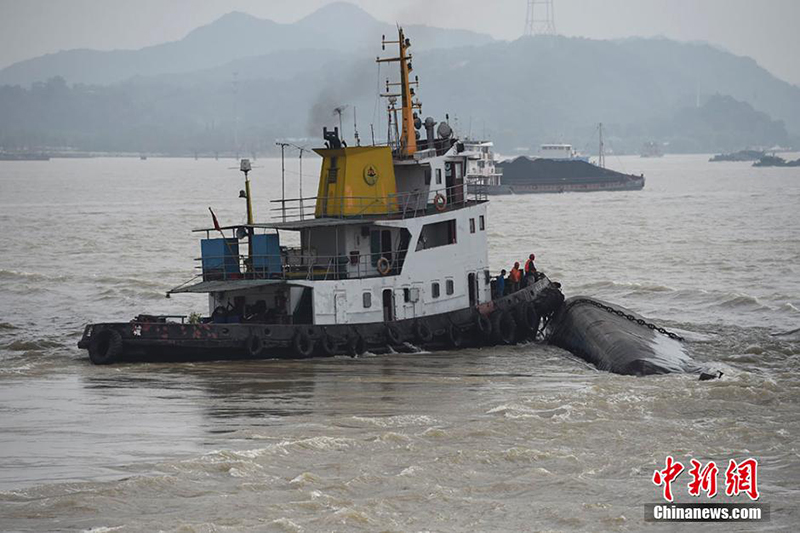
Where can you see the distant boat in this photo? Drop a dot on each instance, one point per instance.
(143, 157)
(560, 152)
(775, 161)
(652, 149)
(741, 155)
(24, 156)
(481, 169)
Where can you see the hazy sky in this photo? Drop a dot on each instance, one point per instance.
(763, 29)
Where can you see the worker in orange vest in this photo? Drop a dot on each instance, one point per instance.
(515, 276)
(530, 267)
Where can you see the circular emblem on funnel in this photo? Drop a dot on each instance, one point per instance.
(371, 174)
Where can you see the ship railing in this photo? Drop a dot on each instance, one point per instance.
(292, 265)
(399, 205)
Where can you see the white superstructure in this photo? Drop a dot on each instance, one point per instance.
(481, 168)
(560, 152)
(395, 234)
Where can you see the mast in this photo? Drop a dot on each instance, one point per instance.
(408, 136)
(601, 153)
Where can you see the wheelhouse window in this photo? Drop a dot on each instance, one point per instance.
(437, 234)
(367, 300)
(472, 225)
(449, 286)
(482, 222)
(435, 289)
(438, 176)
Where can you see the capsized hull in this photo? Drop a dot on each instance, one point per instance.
(615, 343)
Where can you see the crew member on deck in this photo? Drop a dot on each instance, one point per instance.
(516, 277)
(500, 284)
(530, 270)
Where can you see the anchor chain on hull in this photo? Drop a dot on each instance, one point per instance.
(628, 316)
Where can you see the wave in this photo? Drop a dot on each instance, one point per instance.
(30, 345)
(738, 300)
(15, 275)
(398, 420)
(635, 287)
(127, 281)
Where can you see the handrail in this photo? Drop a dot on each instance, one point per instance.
(288, 265)
(404, 204)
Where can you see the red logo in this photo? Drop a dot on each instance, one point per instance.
(667, 476)
(742, 478)
(704, 479)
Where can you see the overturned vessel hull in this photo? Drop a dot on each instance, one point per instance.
(617, 340)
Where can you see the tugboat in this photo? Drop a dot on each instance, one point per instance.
(394, 255)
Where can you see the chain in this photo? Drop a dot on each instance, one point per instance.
(630, 317)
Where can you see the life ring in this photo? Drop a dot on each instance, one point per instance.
(483, 325)
(254, 345)
(327, 346)
(393, 334)
(384, 266)
(356, 345)
(422, 331)
(440, 202)
(503, 327)
(105, 346)
(455, 336)
(302, 345)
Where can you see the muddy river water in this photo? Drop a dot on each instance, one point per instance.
(521, 438)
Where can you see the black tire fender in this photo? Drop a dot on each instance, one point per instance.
(526, 317)
(302, 345)
(356, 345)
(422, 331)
(105, 346)
(483, 325)
(327, 346)
(503, 327)
(532, 318)
(254, 345)
(393, 336)
(455, 336)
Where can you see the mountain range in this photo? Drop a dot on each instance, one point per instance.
(339, 27)
(241, 82)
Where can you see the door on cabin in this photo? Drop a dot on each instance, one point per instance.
(472, 289)
(340, 306)
(388, 305)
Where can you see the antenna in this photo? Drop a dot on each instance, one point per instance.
(540, 19)
(236, 113)
(601, 153)
(355, 127)
(283, 179)
(301, 149)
